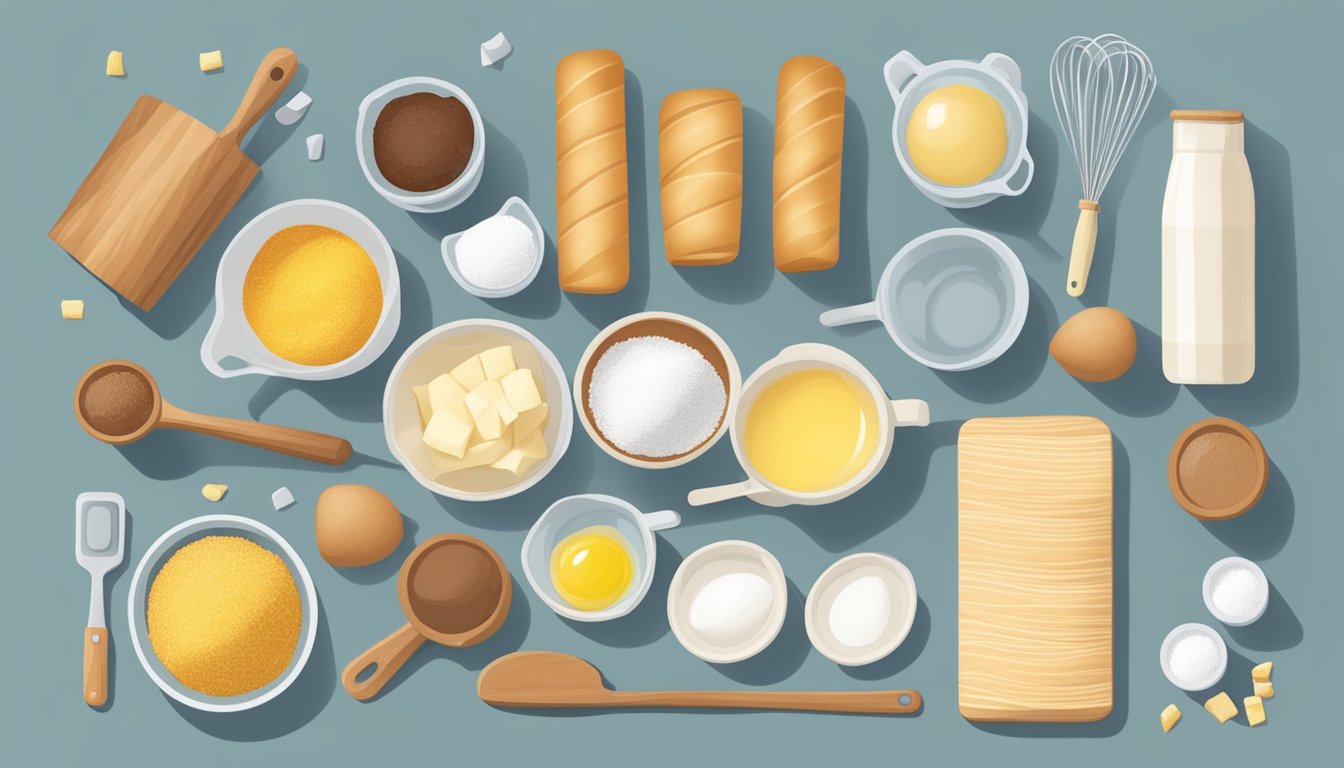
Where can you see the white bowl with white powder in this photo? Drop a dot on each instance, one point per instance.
(656, 389)
(499, 256)
(1193, 657)
(1236, 591)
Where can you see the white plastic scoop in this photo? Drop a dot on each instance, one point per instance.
(100, 540)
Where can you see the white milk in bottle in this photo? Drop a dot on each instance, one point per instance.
(1208, 252)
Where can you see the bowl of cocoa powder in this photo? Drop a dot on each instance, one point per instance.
(421, 143)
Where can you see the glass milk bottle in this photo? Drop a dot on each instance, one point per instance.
(1208, 252)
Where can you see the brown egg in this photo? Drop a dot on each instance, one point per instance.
(1097, 344)
(356, 525)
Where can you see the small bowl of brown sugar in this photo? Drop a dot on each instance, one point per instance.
(1218, 469)
(421, 143)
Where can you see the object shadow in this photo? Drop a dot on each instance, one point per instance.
(358, 397)
(388, 567)
(748, 276)
(1278, 630)
(1261, 532)
(782, 657)
(540, 299)
(504, 175)
(1143, 390)
(1114, 722)
(850, 281)
(287, 712)
(1022, 216)
(519, 512)
(1019, 367)
(602, 309)
(269, 133)
(648, 621)
(907, 652)
(1273, 389)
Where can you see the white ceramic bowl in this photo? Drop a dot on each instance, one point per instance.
(909, 81)
(159, 552)
(517, 208)
(436, 200)
(902, 598)
(1180, 632)
(678, 328)
(575, 513)
(1262, 591)
(439, 351)
(230, 336)
(705, 565)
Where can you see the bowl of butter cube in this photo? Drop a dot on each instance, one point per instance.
(477, 410)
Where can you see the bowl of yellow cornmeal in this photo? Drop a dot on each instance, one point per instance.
(308, 289)
(223, 613)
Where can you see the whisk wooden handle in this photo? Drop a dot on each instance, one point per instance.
(1084, 243)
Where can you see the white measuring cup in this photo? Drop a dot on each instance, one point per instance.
(807, 357)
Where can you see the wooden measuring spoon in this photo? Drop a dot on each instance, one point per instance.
(545, 679)
(314, 446)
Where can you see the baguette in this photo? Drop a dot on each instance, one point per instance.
(700, 176)
(591, 190)
(809, 141)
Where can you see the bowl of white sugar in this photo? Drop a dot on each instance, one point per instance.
(499, 256)
(1236, 591)
(1194, 657)
(656, 389)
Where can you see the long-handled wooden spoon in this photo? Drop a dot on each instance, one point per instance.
(545, 679)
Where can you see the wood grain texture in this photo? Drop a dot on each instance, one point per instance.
(591, 188)
(95, 666)
(700, 176)
(809, 144)
(1034, 580)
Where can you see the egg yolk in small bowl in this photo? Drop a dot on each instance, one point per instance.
(592, 568)
(957, 136)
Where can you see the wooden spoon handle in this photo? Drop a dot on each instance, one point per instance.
(271, 79)
(95, 666)
(314, 446)
(385, 658)
(868, 702)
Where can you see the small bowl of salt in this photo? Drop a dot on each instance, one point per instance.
(1236, 591)
(499, 256)
(1193, 657)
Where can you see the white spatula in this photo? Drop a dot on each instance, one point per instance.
(100, 539)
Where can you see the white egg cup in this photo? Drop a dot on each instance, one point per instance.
(901, 596)
(704, 566)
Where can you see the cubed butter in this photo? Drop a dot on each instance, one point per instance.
(521, 390)
(483, 398)
(1221, 707)
(498, 361)
(72, 309)
(506, 412)
(1255, 710)
(422, 401)
(489, 425)
(214, 491)
(1260, 672)
(116, 67)
(469, 373)
(515, 461)
(1170, 717)
(479, 455)
(1264, 690)
(532, 445)
(448, 433)
(212, 60)
(531, 421)
(446, 394)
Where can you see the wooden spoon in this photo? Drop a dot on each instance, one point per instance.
(314, 446)
(545, 679)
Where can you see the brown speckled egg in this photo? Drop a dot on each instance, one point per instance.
(356, 525)
(1097, 344)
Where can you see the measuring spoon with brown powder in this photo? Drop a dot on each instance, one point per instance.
(118, 402)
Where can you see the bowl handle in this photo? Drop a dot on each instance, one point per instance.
(212, 355)
(714, 494)
(1005, 66)
(898, 71)
(1006, 185)
(859, 313)
(661, 520)
(910, 413)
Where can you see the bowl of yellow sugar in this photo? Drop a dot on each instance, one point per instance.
(223, 613)
(306, 290)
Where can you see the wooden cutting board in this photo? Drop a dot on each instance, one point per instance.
(163, 184)
(1034, 570)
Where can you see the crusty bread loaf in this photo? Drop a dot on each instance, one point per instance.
(809, 141)
(700, 175)
(591, 190)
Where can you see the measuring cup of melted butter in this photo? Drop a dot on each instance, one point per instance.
(812, 427)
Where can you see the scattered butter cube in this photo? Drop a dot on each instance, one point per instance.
(490, 425)
(212, 60)
(469, 373)
(293, 110)
(281, 498)
(116, 67)
(422, 401)
(1170, 717)
(214, 491)
(445, 394)
(483, 397)
(1260, 672)
(521, 390)
(448, 433)
(1255, 710)
(315, 143)
(498, 361)
(1221, 707)
(531, 421)
(1264, 690)
(495, 50)
(72, 309)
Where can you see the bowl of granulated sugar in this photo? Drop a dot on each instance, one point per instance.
(1236, 591)
(656, 389)
(1193, 657)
